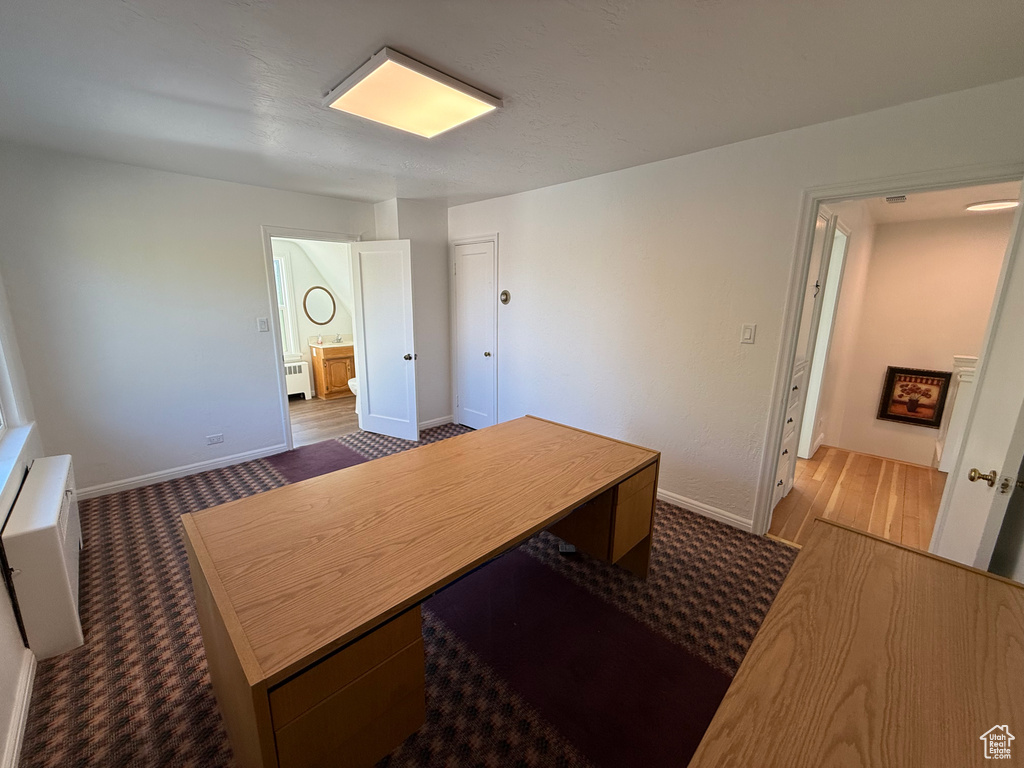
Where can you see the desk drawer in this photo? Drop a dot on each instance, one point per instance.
(636, 482)
(358, 725)
(325, 678)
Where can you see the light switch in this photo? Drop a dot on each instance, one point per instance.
(263, 324)
(748, 333)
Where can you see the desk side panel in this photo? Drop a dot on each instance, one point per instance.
(636, 505)
(245, 709)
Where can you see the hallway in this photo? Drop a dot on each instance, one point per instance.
(891, 499)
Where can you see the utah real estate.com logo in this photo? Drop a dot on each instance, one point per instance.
(997, 742)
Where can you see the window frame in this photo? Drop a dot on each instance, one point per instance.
(286, 311)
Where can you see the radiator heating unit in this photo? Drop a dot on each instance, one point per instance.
(41, 543)
(296, 378)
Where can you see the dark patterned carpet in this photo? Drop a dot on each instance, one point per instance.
(137, 693)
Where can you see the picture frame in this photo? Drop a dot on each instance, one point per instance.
(914, 396)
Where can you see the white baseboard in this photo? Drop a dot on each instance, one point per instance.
(436, 422)
(19, 717)
(707, 510)
(171, 474)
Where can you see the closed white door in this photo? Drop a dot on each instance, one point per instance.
(476, 337)
(385, 356)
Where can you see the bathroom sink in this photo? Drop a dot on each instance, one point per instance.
(332, 344)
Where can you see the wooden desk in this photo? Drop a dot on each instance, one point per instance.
(875, 654)
(308, 595)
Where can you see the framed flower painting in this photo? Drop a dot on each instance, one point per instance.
(914, 396)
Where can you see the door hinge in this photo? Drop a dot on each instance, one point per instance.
(1009, 483)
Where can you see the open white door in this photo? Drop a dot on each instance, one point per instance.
(475, 325)
(833, 262)
(972, 512)
(385, 356)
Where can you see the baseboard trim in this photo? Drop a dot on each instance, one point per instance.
(707, 510)
(19, 718)
(175, 472)
(436, 422)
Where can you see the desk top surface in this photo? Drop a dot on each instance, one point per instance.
(874, 654)
(301, 570)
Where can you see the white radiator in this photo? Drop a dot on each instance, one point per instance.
(296, 379)
(42, 539)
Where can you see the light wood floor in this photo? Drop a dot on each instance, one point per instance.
(889, 498)
(315, 420)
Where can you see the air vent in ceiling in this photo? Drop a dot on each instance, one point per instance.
(896, 199)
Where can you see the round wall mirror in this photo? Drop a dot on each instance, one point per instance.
(319, 306)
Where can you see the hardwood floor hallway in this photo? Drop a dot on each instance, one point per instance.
(315, 420)
(888, 498)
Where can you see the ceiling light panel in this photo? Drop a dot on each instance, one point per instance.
(403, 93)
(994, 205)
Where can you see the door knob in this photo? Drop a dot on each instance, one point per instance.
(487, 354)
(974, 475)
(407, 357)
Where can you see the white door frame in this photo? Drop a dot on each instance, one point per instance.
(488, 238)
(817, 364)
(947, 178)
(269, 232)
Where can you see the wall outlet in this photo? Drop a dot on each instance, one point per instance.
(263, 324)
(747, 333)
(214, 439)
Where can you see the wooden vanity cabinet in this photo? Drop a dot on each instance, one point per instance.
(332, 368)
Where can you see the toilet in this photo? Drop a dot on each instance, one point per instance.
(353, 385)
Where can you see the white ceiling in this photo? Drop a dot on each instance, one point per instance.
(231, 89)
(943, 204)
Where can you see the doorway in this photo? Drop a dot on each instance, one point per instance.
(895, 307)
(312, 285)
(343, 331)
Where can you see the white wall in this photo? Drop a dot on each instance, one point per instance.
(629, 289)
(928, 297)
(134, 295)
(839, 371)
(334, 262)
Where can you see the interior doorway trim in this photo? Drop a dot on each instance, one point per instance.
(813, 197)
(491, 237)
(268, 232)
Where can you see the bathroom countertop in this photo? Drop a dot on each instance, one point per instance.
(329, 344)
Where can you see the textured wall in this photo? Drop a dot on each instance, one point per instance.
(928, 297)
(134, 295)
(629, 289)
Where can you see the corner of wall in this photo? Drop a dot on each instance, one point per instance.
(385, 217)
